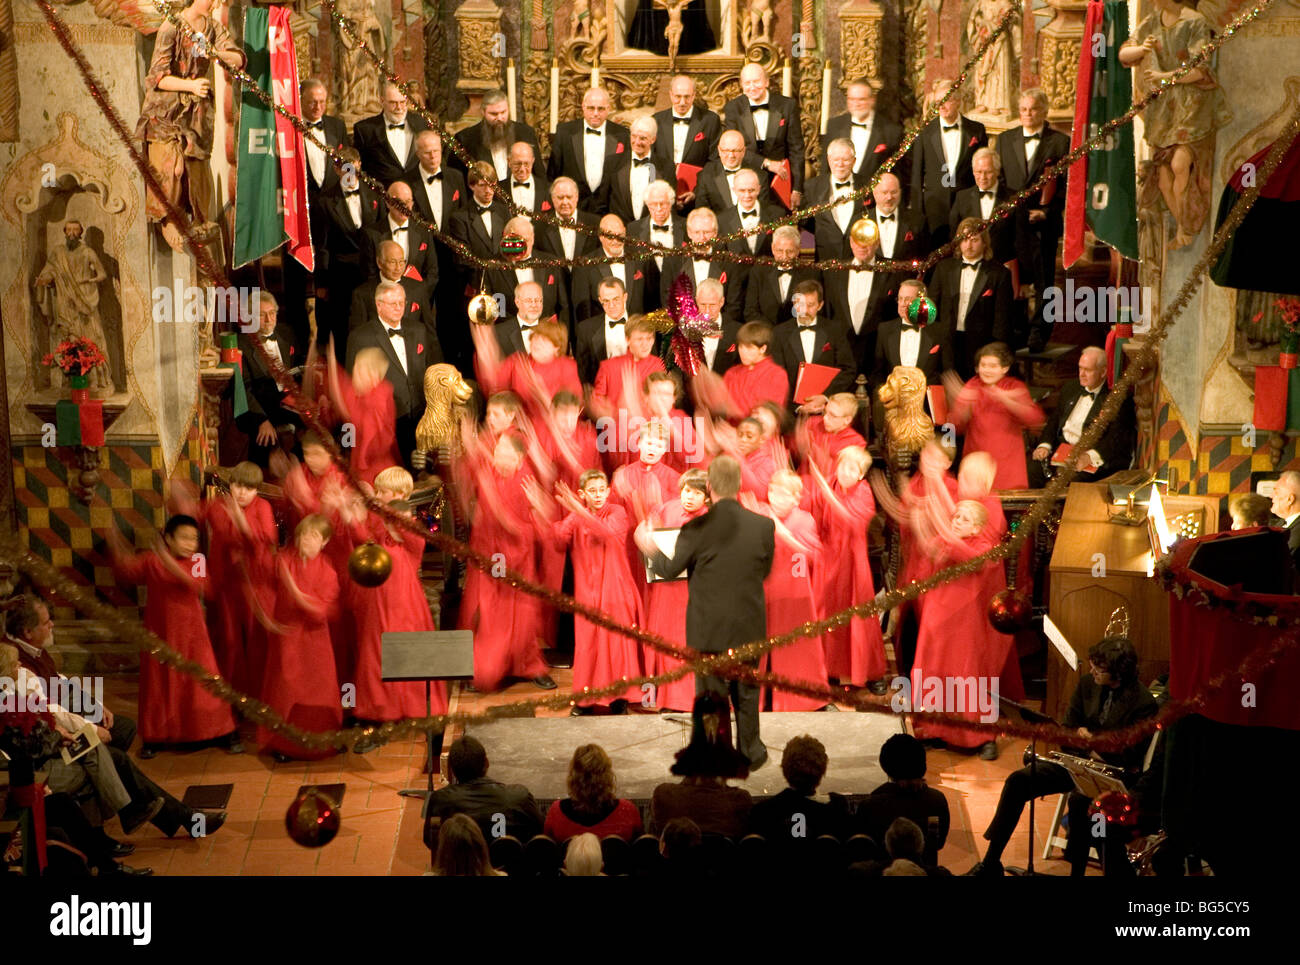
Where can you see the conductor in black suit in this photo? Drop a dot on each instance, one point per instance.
(410, 349)
(1286, 507)
(770, 123)
(491, 138)
(1079, 405)
(727, 554)
(874, 138)
(941, 163)
(589, 149)
(386, 141)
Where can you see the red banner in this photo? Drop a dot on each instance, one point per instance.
(1076, 192)
(289, 141)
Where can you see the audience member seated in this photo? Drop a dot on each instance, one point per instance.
(904, 841)
(473, 793)
(462, 851)
(682, 845)
(795, 815)
(704, 766)
(905, 795)
(592, 807)
(1250, 510)
(1080, 403)
(583, 859)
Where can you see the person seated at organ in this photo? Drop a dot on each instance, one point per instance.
(1078, 407)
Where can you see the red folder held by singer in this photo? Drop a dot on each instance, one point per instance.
(938, 404)
(781, 185)
(687, 174)
(813, 379)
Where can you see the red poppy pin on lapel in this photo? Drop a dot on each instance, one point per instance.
(699, 136)
(782, 124)
(415, 306)
(987, 293)
(973, 142)
(636, 276)
(550, 279)
(424, 245)
(880, 149)
(934, 349)
(723, 278)
(455, 195)
(419, 349)
(546, 206)
(619, 148)
(908, 236)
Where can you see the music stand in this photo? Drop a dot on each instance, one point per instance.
(1026, 716)
(427, 655)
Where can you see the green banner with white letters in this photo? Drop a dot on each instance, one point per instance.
(259, 223)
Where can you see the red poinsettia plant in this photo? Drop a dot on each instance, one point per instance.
(75, 356)
(1289, 309)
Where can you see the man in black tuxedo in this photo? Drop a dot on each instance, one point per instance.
(727, 554)
(529, 187)
(941, 164)
(900, 342)
(979, 200)
(831, 228)
(720, 349)
(973, 295)
(503, 281)
(902, 234)
(583, 298)
(330, 129)
(874, 138)
(410, 348)
(415, 241)
(568, 241)
(747, 213)
(481, 222)
(627, 185)
(392, 269)
(812, 338)
(702, 229)
(589, 149)
(440, 191)
(492, 138)
(659, 227)
(514, 333)
(770, 123)
(715, 185)
(349, 207)
(386, 142)
(769, 291)
(686, 133)
(1286, 507)
(267, 423)
(1080, 402)
(1025, 151)
(602, 335)
(860, 299)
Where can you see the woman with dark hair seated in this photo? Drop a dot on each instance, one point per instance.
(592, 806)
(1110, 697)
(704, 765)
(462, 851)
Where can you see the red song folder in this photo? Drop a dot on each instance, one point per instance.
(938, 404)
(812, 380)
(781, 183)
(686, 177)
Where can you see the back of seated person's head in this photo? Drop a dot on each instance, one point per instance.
(583, 859)
(591, 782)
(902, 758)
(467, 760)
(462, 849)
(680, 840)
(904, 839)
(803, 763)
(902, 866)
(1250, 510)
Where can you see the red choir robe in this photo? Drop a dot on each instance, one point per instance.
(957, 641)
(506, 622)
(603, 580)
(640, 487)
(756, 471)
(301, 682)
(242, 565)
(607, 391)
(854, 654)
(916, 565)
(374, 421)
(792, 601)
(571, 457)
(748, 386)
(666, 615)
(174, 707)
(991, 427)
(398, 605)
(302, 489)
(823, 448)
(532, 382)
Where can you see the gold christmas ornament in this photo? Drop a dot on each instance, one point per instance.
(865, 232)
(483, 309)
(661, 320)
(369, 565)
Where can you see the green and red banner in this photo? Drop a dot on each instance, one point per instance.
(79, 423)
(1102, 189)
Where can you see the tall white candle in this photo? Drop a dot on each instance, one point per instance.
(595, 77)
(826, 96)
(787, 79)
(510, 88)
(555, 95)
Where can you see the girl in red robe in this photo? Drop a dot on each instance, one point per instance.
(365, 404)
(301, 683)
(961, 660)
(174, 707)
(596, 532)
(791, 592)
(993, 410)
(666, 599)
(844, 509)
(534, 377)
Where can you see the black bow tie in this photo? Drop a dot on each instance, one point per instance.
(804, 326)
(909, 327)
(886, 217)
(399, 228)
(757, 107)
(315, 124)
(433, 177)
(640, 160)
(972, 265)
(746, 215)
(394, 332)
(841, 184)
(949, 127)
(862, 124)
(986, 194)
(521, 184)
(481, 208)
(351, 194)
(1033, 137)
(592, 130)
(783, 271)
(267, 338)
(527, 325)
(661, 227)
(397, 127)
(619, 321)
(681, 120)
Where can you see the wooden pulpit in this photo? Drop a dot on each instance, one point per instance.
(1098, 565)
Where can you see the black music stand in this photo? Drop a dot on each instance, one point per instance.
(1027, 716)
(428, 655)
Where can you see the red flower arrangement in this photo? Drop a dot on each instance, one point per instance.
(1289, 309)
(75, 356)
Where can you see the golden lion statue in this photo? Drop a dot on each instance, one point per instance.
(907, 426)
(445, 396)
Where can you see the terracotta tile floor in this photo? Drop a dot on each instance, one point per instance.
(380, 833)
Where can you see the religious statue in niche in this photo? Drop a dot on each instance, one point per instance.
(67, 298)
(756, 23)
(178, 115)
(359, 92)
(1180, 124)
(657, 23)
(995, 78)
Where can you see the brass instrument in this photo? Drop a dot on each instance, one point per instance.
(1111, 771)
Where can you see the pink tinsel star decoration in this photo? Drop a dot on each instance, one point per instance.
(691, 325)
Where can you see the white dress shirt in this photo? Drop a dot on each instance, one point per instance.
(710, 345)
(272, 347)
(1031, 147)
(568, 239)
(316, 155)
(861, 137)
(951, 140)
(844, 210)
(639, 181)
(593, 155)
(909, 346)
(679, 137)
(524, 195)
(1073, 427)
(433, 191)
(731, 183)
(807, 339)
(762, 119)
(888, 228)
(399, 140)
(485, 216)
(615, 337)
(398, 343)
(966, 288)
(749, 219)
(619, 270)
(783, 278)
(987, 200)
(526, 328)
(353, 201)
(661, 236)
(501, 161)
(859, 294)
(402, 236)
(524, 275)
(700, 269)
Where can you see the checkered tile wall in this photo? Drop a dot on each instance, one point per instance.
(1223, 464)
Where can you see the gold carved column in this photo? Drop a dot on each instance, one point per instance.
(810, 84)
(536, 94)
(1059, 45)
(482, 50)
(860, 41)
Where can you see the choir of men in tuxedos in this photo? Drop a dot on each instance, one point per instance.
(771, 127)
(874, 138)
(941, 163)
(769, 290)
(589, 149)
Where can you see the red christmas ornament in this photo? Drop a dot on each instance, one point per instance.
(1010, 611)
(312, 819)
(1118, 806)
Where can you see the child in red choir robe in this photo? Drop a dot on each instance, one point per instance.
(305, 481)
(365, 404)
(757, 458)
(568, 441)
(535, 376)
(844, 509)
(643, 485)
(596, 530)
(242, 538)
(994, 410)
(619, 380)
(821, 438)
(962, 663)
(398, 605)
(666, 599)
(506, 622)
(301, 683)
(790, 591)
(661, 392)
(757, 378)
(174, 707)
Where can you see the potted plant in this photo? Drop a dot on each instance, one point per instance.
(76, 357)
(1289, 308)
